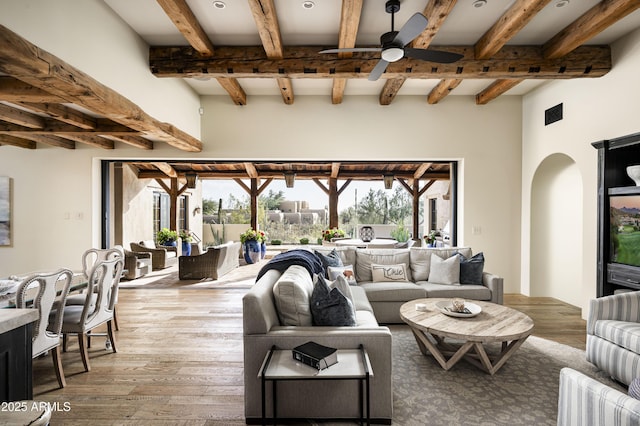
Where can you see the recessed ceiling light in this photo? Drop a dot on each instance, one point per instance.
(479, 3)
(219, 4)
(308, 4)
(562, 3)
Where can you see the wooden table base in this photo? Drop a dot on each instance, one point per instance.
(435, 346)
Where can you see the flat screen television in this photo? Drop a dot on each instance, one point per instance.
(625, 229)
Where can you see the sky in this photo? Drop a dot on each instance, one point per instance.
(302, 190)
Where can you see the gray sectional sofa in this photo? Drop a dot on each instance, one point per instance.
(387, 297)
(276, 312)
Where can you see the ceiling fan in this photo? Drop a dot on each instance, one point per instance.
(393, 44)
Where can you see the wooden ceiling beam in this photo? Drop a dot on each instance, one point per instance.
(390, 90)
(349, 23)
(590, 24)
(299, 176)
(436, 12)
(26, 62)
(183, 18)
(14, 90)
(442, 89)
(420, 171)
(20, 117)
(337, 90)
(508, 25)
(135, 141)
(53, 126)
(166, 169)
(95, 141)
(266, 18)
(52, 141)
(63, 113)
(494, 90)
(511, 62)
(17, 142)
(233, 88)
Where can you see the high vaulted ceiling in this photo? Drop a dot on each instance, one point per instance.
(264, 47)
(258, 47)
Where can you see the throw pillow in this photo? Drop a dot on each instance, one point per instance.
(389, 272)
(329, 307)
(471, 269)
(347, 271)
(332, 259)
(634, 388)
(445, 271)
(342, 284)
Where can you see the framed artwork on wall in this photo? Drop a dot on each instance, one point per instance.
(5, 211)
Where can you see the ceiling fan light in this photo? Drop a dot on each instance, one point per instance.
(392, 54)
(562, 3)
(219, 4)
(308, 5)
(479, 3)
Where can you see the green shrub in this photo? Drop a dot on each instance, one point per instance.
(304, 241)
(276, 242)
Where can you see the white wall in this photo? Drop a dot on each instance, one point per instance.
(486, 139)
(596, 109)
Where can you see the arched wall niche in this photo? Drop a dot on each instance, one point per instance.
(556, 230)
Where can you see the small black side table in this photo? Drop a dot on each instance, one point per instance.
(353, 364)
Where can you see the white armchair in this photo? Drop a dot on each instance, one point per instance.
(585, 401)
(613, 335)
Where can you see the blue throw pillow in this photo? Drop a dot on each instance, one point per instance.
(329, 306)
(471, 269)
(332, 259)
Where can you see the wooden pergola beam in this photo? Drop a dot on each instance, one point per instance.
(167, 169)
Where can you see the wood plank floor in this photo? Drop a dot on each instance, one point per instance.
(179, 359)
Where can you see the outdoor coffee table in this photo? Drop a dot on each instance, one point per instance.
(495, 324)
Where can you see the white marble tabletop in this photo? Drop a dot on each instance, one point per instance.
(10, 319)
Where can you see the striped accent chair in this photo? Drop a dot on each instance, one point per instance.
(585, 401)
(613, 335)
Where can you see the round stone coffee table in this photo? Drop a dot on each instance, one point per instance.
(495, 324)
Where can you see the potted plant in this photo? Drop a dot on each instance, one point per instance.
(329, 234)
(251, 241)
(166, 237)
(430, 239)
(185, 236)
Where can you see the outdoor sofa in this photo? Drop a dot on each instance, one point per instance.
(161, 256)
(213, 263)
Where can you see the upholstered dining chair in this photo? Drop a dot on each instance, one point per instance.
(47, 328)
(103, 280)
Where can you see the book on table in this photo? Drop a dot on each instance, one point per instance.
(315, 355)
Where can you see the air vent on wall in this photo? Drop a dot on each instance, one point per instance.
(553, 114)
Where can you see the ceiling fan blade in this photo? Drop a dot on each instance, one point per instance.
(432, 55)
(353, 49)
(378, 70)
(411, 29)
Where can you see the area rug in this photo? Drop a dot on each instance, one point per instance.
(523, 392)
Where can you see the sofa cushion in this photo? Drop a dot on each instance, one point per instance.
(329, 306)
(292, 294)
(334, 271)
(471, 269)
(393, 291)
(445, 271)
(360, 299)
(623, 333)
(470, 291)
(385, 273)
(421, 259)
(366, 257)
